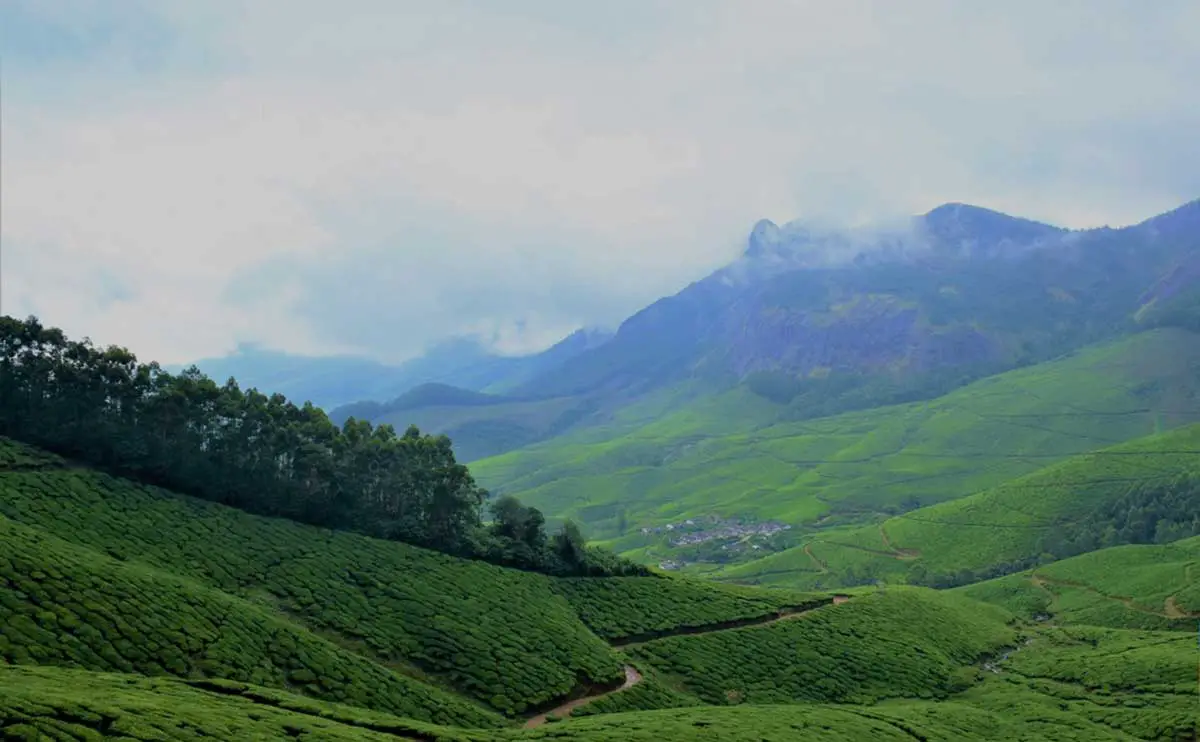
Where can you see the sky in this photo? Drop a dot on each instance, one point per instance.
(371, 176)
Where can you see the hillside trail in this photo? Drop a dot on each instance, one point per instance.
(632, 678)
(900, 553)
(1170, 608)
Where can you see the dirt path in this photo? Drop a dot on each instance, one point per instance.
(632, 678)
(901, 553)
(820, 565)
(1170, 608)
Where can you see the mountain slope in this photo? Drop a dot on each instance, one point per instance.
(714, 457)
(143, 568)
(832, 321)
(1136, 586)
(1118, 493)
(960, 287)
(333, 381)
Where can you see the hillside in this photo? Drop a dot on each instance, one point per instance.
(1147, 586)
(266, 628)
(507, 638)
(1136, 492)
(716, 456)
(828, 322)
(480, 424)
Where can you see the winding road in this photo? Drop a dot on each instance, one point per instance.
(633, 677)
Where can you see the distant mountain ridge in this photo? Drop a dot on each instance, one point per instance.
(333, 381)
(850, 318)
(959, 287)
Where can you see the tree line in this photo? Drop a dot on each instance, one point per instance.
(266, 455)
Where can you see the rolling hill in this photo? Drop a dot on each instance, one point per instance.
(828, 322)
(1139, 491)
(129, 611)
(715, 456)
(1150, 586)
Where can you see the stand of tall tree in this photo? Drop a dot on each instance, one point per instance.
(264, 454)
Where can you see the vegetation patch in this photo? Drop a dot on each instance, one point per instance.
(643, 607)
(503, 636)
(905, 642)
(65, 605)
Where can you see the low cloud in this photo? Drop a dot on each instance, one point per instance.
(373, 177)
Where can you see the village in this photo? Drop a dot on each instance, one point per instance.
(712, 528)
(705, 529)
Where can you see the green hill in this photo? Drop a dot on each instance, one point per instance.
(1136, 586)
(66, 605)
(895, 644)
(503, 636)
(264, 604)
(262, 628)
(1065, 508)
(721, 455)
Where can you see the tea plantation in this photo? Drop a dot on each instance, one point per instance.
(620, 608)
(66, 605)
(903, 642)
(1007, 528)
(1137, 586)
(129, 612)
(503, 636)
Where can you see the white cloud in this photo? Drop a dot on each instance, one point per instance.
(378, 174)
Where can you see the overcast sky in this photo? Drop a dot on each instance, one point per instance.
(368, 175)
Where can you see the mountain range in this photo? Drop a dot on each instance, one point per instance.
(936, 481)
(819, 321)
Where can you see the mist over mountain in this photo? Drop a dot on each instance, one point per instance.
(815, 317)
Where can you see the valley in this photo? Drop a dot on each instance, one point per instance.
(801, 528)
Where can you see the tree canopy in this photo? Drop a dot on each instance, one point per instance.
(262, 453)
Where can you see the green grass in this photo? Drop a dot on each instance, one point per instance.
(619, 607)
(723, 454)
(1002, 525)
(905, 642)
(1138, 586)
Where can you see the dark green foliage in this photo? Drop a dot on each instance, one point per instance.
(501, 635)
(1101, 659)
(616, 608)
(261, 454)
(65, 605)
(56, 703)
(905, 642)
(1152, 511)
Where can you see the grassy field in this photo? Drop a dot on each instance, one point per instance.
(1002, 525)
(725, 455)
